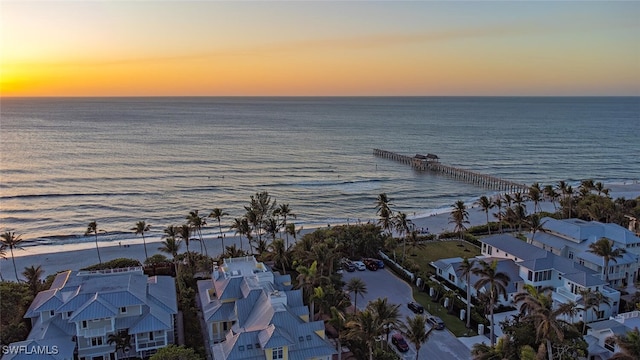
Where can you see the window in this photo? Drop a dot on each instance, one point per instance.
(52, 313)
(490, 250)
(530, 275)
(69, 313)
(452, 278)
(278, 353)
(123, 310)
(84, 324)
(570, 255)
(151, 335)
(96, 341)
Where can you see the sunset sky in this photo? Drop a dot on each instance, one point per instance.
(296, 48)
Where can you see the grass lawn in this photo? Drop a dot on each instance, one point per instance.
(432, 251)
(436, 250)
(453, 323)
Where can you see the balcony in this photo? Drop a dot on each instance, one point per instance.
(95, 332)
(148, 345)
(565, 294)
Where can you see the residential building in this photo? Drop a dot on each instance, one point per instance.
(571, 238)
(600, 335)
(252, 313)
(527, 264)
(83, 308)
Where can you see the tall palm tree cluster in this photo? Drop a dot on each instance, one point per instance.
(398, 222)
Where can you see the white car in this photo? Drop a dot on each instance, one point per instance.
(360, 265)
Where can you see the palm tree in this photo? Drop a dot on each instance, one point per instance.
(184, 233)
(551, 194)
(486, 205)
(402, 225)
(170, 245)
(271, 227)
(592, 301)
(122, 341)
(538, 306)
(604, 248)
(466, 269)
(140, 228)
(279, 254)
(459, 217)
(3, 255)
(497, 285)
(416, 331)
(387, 314)
(217, 214)
(92, 228)
(233, 252)
(260, 207)
(241, 225)
(365, 327)
(11, 240)
(536, 225)
(290, 229)
(629, 345)
(285, 211)
(357, 287)
(197, 222)
(498, 204)
(307, 280)
(33, 275)
(535, 195)
(384, 212)
(338, 321)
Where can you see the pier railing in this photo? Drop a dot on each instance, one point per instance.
(432, 164)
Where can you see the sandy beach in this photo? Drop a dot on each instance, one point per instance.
(54, 258)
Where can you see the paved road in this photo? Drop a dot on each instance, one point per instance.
(442, 344)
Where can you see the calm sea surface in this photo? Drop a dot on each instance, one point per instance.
(66, 162)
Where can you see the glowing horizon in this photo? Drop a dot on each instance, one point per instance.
(319, 49)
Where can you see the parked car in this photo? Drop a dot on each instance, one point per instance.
(436, 322)
(400, 342)
(348, 265)
(360, 265)
(371, 265)
(380, 263)
(415, 307)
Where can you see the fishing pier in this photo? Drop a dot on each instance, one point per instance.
(431, 162)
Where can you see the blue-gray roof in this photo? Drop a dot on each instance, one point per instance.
(514, 246)
(94, 309)
(584, 279)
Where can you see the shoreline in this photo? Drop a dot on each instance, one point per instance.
(77, 255)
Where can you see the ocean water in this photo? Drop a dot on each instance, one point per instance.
(68, 161)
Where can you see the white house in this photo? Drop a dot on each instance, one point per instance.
(252, 313)
(528, 264)
(600, 335)
(571, 238)
(82, 308)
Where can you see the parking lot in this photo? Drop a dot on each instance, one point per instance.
(383, 283)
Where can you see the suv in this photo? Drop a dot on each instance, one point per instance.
(436, 322)
(415, 307)
(348, 265)
(400, 342)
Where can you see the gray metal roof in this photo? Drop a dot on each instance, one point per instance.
(514, 246)
(96, 308)
(584, 279)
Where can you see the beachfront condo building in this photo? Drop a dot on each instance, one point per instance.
(94, 315)
(571, 238)
(252, 313)
(527, 264)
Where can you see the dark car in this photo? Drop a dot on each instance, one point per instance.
(415, 307)
(380, 263)
(371, 265)
(436, 322)
(400, 342)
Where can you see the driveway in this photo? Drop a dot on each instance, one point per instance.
(442, 344)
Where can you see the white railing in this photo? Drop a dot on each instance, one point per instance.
(95, 332)
(568, 294)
